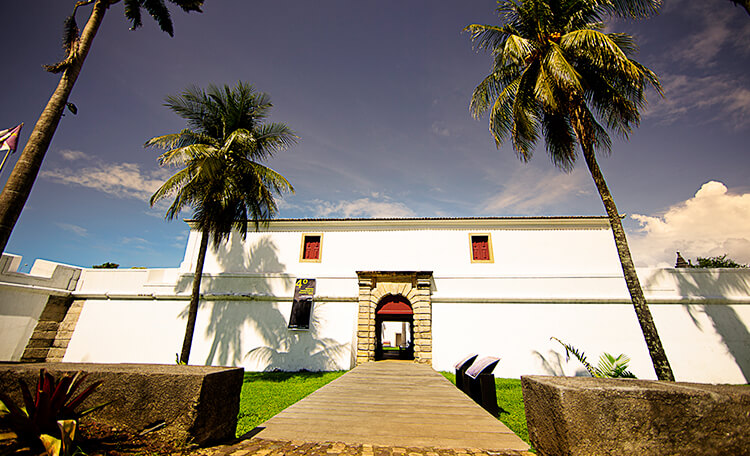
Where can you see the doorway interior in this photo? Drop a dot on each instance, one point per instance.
(394, 329)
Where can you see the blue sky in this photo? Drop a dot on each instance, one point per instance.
(378, 93)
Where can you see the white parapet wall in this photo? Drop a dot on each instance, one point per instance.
(24, 296)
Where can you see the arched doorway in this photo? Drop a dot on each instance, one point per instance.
(394, 328)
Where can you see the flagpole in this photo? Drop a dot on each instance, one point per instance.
(3, 163)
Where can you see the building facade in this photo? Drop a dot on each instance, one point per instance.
(431, 290)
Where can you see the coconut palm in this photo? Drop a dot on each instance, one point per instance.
(76, 46)
(221, 178)
(559, 76)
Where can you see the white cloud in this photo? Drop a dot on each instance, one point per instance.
(362, 207)
(124, 180)
(703, 44)
(726, 96)
(713, 222)
(71, 155)
(75, 229)
(440, 129)
(531, 190)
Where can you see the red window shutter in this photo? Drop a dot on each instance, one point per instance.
(480, 249)
(312, 248)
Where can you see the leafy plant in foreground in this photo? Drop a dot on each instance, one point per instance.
(608, 367)
(50, 416)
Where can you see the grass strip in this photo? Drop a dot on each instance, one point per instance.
(510, 401)
(264, 394)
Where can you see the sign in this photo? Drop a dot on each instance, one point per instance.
(304, 289)
(484, 366)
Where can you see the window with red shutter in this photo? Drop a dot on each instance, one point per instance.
(481, 249)
(311, 247)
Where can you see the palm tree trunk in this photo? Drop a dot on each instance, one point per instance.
(194, 299)
(19, 184)
(653, 342)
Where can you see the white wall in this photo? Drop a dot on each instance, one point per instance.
(556, 278)
(520, 335)
(23, 298)
(251, 334)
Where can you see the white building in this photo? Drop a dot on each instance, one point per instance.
(492, 286)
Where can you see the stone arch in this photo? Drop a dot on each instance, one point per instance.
(416, 287)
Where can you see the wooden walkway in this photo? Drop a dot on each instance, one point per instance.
(392, 403)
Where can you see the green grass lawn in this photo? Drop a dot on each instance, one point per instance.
(264, 394)
(510, 400)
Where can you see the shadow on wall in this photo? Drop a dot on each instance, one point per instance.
(285, 349)
(553, 364)
(298, 349)
(716, 284)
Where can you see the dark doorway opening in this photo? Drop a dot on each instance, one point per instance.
(394, 329)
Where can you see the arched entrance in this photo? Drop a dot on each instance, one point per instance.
(394, 328)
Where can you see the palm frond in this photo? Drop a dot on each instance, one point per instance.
(600, 50)
(525, 131)
(70, 33)
(579, 355)
(159, 11)
(614, 366)
(189, 5)
(274, 137)
(559, 139)
(516, 50)
(565, 76)
(487, 36)
(501, 115)
(630, 8)
(133, 13)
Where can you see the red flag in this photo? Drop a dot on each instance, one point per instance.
(9, 138)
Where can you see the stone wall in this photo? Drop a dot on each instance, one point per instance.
(571, 416)
(187, 404)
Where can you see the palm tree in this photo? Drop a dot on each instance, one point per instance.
(556, 74)
(221, 178)
(76, 46)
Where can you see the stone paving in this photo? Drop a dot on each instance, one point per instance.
(263, 447)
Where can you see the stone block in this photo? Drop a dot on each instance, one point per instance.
(198, 404)
(47, 326)
(64, 334)
(69, 324)
(421, 316)
(56, 352)
(590, 416)
(39, 343)
(35, 353)
(61, 343)
(44, 335)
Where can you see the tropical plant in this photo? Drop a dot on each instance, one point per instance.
(76, 46)
(559, 76)
(50, 416)
(717, 262)
(107, 265)
(221, 178)
(609, 366)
